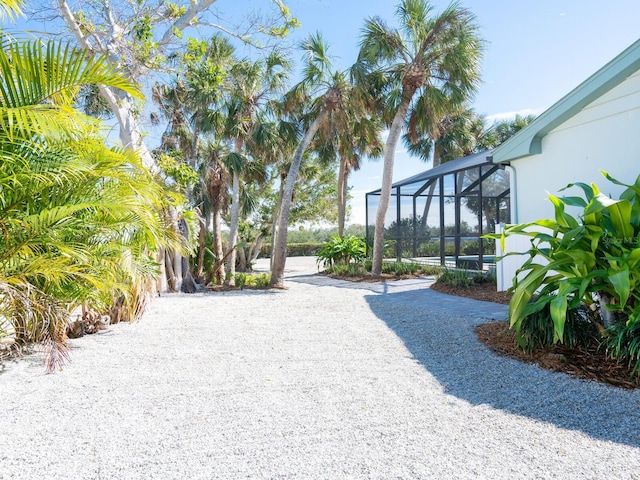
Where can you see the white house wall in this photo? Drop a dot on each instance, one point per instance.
(603, 136)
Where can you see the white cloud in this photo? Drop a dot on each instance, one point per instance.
(496, 117)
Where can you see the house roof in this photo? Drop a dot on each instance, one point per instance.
(463, 163)
(528, 141)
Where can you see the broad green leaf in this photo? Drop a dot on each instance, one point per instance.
(562, 218)
(574, 201)
(587, 189)
(619, 278)
(558, 308)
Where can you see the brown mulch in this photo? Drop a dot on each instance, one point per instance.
(585, 363)
(384, 277)
(485, 291)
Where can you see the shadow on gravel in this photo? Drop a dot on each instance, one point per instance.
(438, 330)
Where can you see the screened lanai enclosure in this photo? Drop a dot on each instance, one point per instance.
(439, 216)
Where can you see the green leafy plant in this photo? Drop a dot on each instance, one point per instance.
(347, 270)
(623, 344)
(251, 280)
(341, 250)
(538, 328)
(595, 256)
(400, 268)
(431, 269)
(260, 280)
(456, 278)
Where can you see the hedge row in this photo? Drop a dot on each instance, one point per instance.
(294, 250)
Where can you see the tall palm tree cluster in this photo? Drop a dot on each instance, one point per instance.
(94, 229)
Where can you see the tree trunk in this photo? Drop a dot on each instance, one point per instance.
(609, 318)
(161, 281)
(387, 181)
(176, 258)
(201, 248)
(235, 217)
(218, 265)
(187, 283)
(171, 276)
(242, 260)
(280, 251)
(276, 218)
(255, 251)
(193, 158)
(342, 195)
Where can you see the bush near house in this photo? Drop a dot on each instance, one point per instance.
(592, 262)
(342, 250)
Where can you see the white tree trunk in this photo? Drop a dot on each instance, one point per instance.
(218, 267)
(387, 181)
(255, 250)
(342, 195)
(280, 251)
(233, 228)
(276, 219)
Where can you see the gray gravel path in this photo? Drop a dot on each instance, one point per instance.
(326, 380)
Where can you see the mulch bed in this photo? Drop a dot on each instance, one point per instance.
(589, 363)
(485, 291)
(384, 277)
(586, 363)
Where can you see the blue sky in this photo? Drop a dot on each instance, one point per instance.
(536, 52)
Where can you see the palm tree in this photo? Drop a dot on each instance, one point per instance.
(321, 92)
(192, 107)
(216, 180)
(359, 138)
(253, 84)
(79, 219)
(275, 142)
(10, 8)
(419, 70)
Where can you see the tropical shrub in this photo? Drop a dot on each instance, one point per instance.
(574, 261)
(580, 328)
(80, 221)
(341, 250)
(623, 344)
(348, 269)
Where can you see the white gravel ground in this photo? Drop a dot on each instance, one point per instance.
(326, 380)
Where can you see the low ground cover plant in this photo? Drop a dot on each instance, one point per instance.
(252, 280)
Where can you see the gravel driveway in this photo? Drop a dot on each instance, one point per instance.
(326, 380)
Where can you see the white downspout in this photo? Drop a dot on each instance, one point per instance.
(513, 193)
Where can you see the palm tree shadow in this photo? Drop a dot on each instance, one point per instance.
(438, 330)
